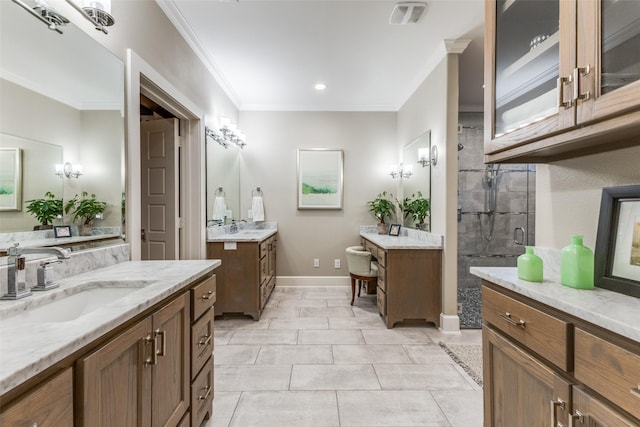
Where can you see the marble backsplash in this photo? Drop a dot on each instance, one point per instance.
(427, 237)
(225, 229)
(80, 262)
(7, 239)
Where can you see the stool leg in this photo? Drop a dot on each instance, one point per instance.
(353, 289)
(359, 287)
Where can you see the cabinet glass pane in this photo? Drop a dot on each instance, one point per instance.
(527, 62)
(620, 43)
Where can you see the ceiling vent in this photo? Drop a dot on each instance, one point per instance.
(407, 13)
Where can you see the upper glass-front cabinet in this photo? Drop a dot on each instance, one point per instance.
(553, 66)
(526, 62)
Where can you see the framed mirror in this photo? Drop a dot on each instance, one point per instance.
(63, 101)
(223, 183)
(420, 181)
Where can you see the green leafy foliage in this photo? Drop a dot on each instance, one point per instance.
(382, 206)
(85, 208)
(46, 209)
(416, 207)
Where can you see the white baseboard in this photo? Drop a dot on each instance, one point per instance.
(313, 281)
(449, 323)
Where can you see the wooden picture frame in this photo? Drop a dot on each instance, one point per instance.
(60, 231)
(320, 178)
(10, 179)
(617, 254)
(394, 229)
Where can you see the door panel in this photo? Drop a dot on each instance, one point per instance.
(159, 175)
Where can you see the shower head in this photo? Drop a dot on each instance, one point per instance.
(460, 146)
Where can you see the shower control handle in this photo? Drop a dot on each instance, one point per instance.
(515, 235)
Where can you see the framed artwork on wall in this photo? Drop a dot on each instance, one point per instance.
(10, 179)
(320, 178)
(617, 254)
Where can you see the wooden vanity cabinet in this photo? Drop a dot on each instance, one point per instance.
(409, 283)
(542, 364)
(574, 91)
(246, 277)
(142, 376)
(48, 404)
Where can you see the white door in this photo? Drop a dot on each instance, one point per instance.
(160, 190)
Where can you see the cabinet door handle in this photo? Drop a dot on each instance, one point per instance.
(636, 391)
(153, 359)
(578, 416)
(208, 392)
(163, 346)
(558, 403)
(561, 102)
(207, 296)
(577, 73)
(204, 340)
(519, 323)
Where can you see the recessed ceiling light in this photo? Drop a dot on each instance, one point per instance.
(320, 86)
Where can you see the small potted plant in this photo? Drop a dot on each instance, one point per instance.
(86, 209)
(416, 207)
(45, 210)
(382, 207)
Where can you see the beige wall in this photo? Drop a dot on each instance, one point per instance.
(369, 144)
(568, 194)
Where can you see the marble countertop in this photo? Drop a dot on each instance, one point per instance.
(48, 242)
(614, 311)
(247, 232)
(30, 348)
(429, 241)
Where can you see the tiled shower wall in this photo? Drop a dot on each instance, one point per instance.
(486, 235)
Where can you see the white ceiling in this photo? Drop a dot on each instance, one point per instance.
(268, 54)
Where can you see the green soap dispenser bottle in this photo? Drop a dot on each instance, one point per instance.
(530, 266)
(576, 266)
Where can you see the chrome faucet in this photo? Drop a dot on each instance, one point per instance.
(16, 280)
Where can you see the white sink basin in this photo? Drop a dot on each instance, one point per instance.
(67, 307)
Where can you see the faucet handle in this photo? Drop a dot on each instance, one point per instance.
(44, 264)
(15, 250)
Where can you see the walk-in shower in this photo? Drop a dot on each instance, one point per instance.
(496, 214)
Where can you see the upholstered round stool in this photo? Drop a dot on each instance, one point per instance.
(361, 268)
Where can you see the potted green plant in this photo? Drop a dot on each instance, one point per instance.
(382, 207)
(416, 207)
(45, 210)
(86, 209)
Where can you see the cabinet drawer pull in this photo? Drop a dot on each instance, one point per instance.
(163, 346)
(558, 403)
(561, 102)
(208, 392)
(204, 340)
(636, 391)
(519, 323)
(153, 359)
(578, 416)
(207, 295)
(577, 73)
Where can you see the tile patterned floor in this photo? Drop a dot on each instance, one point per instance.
(313, 360)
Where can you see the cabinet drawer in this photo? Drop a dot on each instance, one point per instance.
(203, 296)
(49, 404)
(263, 248)
(201, 341)
(544, 334)
(202, 395)
(370, 247)
(609, 369)
(263, 270)
(382, 301)
(382, 257)
(382, 277)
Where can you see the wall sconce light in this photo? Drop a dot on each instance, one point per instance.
(428, 157)
(98, 12)
(216, 136)
(231, 133)
(402, 171)
(69, 170)
(52, 19)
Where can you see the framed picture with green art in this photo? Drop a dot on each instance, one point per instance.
(10, 179)
(320, 178)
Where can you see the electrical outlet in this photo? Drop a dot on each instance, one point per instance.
(336, 263)
(459, 308)
(316, 262)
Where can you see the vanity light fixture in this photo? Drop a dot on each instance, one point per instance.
(216, 137)
(231, 133)
(98, 12)
(44, 13)
(428, 157)
(69, 170)
(320, 86)
(402, 171)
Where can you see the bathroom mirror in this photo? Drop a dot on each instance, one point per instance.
(64, 91)
(223, 180)
(420, 180)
